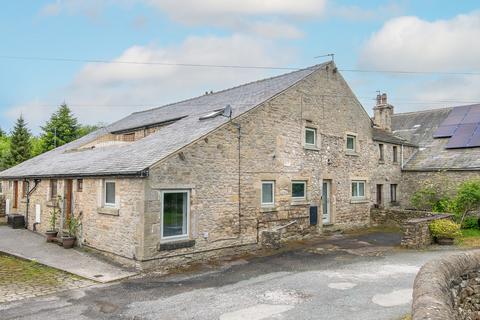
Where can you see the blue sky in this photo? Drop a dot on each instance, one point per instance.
(369, 35)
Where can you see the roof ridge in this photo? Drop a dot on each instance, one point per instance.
(313, 68)
(422, 111)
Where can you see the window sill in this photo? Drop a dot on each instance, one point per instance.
(108, 211)
(351, 153)
(268, 209)
(311, 148)
(176, 244)
(381, 161)
(300, 202)
(355, 201)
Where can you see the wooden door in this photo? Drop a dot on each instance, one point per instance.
(15, 194)
(68, 198)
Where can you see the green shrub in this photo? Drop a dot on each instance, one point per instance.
(444, 228)
(470, 223)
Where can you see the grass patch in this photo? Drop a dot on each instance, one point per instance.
(23, 271)
(469, 238)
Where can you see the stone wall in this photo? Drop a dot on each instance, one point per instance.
(448, 288)
(444, 181)
(416, 233)
(396, 217)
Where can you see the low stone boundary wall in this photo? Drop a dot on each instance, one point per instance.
(416, 234)
(396, 217)
(448, 288)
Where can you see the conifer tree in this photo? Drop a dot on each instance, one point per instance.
(62, 128)
(20, 145)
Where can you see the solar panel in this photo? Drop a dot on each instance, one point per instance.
(475, 139)
(445, 131)
(473, 116)
(462, 136)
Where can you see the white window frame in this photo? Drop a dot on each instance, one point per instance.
(314, 137)
(354, 142)
(105, 203)
(304, 190)
(268, 204)
(358, 182)
(186, 235)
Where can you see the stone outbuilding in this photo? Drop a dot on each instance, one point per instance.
(277, 159)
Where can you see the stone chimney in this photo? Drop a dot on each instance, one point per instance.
(383, 113)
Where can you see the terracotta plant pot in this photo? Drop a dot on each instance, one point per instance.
(68, 242)
(445, 241)
(51, 235)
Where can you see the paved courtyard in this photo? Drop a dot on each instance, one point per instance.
(20, 279)
(345, 277)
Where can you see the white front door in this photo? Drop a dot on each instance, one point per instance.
(326, 194)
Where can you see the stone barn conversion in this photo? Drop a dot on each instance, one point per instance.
(220, 174)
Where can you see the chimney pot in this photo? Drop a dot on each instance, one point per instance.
(379, 99)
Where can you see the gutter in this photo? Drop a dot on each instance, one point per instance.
(139, 174)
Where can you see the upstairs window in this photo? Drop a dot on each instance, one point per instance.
(109, 193)
(310, 137)
(380, 149)
(268, 194)
(299, 190)
(351, 143)
(358, 189)
(395, 154)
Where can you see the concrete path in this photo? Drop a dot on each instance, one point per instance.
(28, 245)
(359, 277)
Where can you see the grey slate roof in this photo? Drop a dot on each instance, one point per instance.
(418, 128)
(384, 136)
(133, 158)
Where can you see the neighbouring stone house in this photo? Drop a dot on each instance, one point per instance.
(449, 148)
(205, 177)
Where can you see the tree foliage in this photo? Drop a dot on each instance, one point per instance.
(467, 199)
(20, 144)
(62, 128)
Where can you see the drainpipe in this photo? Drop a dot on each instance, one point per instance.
(36, 182)
(401, 155)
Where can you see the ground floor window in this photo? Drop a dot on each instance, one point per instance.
(393, 193)
(299, 190)
(109, 193)
(268, 193)
(175, 214)
(358, 189)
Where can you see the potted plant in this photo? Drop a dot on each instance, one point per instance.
(444, 231)
(52, 232)
(68, 240)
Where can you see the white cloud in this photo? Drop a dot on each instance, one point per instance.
(119, 89)
(410, 43)
(268, 18)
